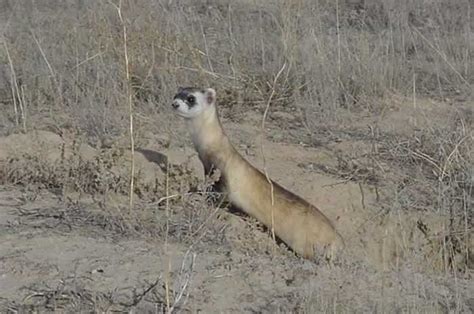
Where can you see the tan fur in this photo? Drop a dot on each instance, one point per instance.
(296, 222)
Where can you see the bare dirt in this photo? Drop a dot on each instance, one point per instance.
(71, 244)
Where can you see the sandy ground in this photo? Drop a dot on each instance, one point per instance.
(67, 251)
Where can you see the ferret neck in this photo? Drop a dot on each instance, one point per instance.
(207, 121)
(207, 115)
(209, 138)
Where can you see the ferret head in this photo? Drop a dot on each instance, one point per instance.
(191, 102)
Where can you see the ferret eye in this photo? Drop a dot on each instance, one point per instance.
(191, 99)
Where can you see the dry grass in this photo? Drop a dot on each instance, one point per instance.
(382, 48)
(71, 296)
(62, 68)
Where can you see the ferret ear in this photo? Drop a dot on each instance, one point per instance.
(210, 96)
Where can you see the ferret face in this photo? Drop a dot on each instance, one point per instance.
(190, 102)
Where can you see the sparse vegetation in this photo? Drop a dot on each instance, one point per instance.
(375, 98)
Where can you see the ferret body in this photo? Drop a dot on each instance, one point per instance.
(303, 227)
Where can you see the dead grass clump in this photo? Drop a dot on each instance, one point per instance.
(436, 170)
(72, 174)
(95, 218)
(357, 168)
(352, 287)
(197, 220)
(193, 219)
(425, 173)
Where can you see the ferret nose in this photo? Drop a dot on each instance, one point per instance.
(175, 105)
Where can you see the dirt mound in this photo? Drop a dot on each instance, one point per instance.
(68, 162)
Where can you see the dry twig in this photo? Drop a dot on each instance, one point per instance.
(130, 102)
(262, 131)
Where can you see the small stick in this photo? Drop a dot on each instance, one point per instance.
(168, 270)
(130, 103)
(14, 84)
(275, 80)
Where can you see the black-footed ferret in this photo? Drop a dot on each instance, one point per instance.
(299, 224)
